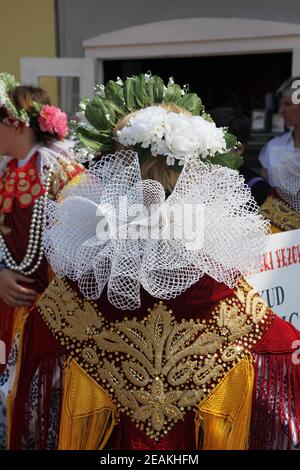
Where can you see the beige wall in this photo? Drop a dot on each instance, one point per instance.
(27, 30)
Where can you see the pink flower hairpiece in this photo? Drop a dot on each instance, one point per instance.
(53, 120)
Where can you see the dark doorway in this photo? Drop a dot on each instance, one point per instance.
(238, 80)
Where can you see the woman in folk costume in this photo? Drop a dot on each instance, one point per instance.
(280, 158)
(168, 346)
(36, 164)
(281, 204)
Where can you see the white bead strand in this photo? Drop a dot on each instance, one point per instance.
(35, 245)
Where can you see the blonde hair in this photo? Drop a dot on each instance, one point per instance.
(156, 168)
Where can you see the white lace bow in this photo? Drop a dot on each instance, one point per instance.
(84, 235)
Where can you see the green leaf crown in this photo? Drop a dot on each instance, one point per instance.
(13, 116)
(94, 131)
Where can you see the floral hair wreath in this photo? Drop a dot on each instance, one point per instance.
(50, 119)
(94, 130)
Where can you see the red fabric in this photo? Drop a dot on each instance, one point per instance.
(40, 352)
(19, 221)
(22, 183)
(7, 318)
(126, 436)
(195, 302)
(279, 338)
(273, 353)
(43, 353)
(74, 170)
(275, 377)
(40, 349)
(275, 422)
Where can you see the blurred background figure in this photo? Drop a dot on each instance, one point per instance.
(290, 111)
(276, 203)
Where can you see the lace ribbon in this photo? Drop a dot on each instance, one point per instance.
(84, 239)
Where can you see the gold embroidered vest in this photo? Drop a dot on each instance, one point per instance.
(157, 368)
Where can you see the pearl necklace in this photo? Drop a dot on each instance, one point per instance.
(35, 245)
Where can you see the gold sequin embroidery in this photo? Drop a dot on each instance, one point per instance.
(157, 368)
(280, 214)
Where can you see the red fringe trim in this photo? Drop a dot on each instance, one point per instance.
(43, 357)
(22, 434)
(276, 403)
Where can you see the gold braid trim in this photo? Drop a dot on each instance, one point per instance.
(280, 214)
(157, 368)
(64, 176)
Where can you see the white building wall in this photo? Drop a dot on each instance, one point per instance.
(79, 20)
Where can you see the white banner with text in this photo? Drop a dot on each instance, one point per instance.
(279, 280)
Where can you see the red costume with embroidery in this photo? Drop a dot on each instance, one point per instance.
(22, 184)
(258, 413)
(20, 188)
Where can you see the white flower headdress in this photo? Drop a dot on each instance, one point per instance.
(177, 136)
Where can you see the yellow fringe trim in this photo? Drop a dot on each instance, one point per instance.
(275, 229)
(222, 420)
(21, 314)
(88, 414)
